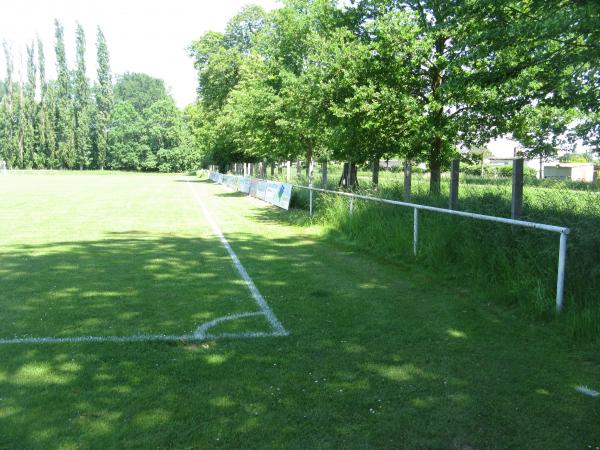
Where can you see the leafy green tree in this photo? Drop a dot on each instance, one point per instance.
(459, 101)
(252, 115)
(218, 69)
(104, 100)
(126, 138)
(553, 49)
(287, 44)
(243, 27)
(139, 89)
(367, 86)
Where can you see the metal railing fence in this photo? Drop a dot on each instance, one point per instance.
(564, 231)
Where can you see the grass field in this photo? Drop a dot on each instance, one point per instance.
(379, 354)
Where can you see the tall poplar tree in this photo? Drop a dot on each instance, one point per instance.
(10, 122)
(63, 107)
(104, 102)
(81, 104)
(43, 132)
(29, 111)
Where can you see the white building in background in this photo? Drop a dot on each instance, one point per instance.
(505, 149)
(570, 171)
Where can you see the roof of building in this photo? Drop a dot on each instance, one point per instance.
(569, 165)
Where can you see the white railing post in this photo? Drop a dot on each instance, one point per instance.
(415, 231)
(560, 279)
(310, 201)
(351, 208)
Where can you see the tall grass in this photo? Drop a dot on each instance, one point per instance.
(508, 264)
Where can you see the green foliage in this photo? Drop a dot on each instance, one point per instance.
(575, 158)
(104, 100)
(63, 106)
(139, 89)
(413, 80)
(155, 139)
(496, 171)
(82, 106)
(73, 125)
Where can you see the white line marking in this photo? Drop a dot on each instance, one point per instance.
(201, 330)
(587, 391)
(135, 338)
(278, 328)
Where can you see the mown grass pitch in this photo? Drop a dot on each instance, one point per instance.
(91, 257)
(378, 355)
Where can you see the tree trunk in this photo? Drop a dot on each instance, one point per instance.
(309, 162)
(435, 166)
(349, 180)
(436, 74)
(541, 167)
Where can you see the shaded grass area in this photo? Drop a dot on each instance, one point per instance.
(380, 355)
(110, 256)
(129, 284)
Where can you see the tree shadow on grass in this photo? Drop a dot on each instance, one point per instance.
(128, 284)
(374, 359)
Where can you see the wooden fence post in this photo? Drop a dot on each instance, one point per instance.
(375, 178)
(288, 170)
(407, 181)
(454, 178)
(324, 174)
(516, 211)
(298, 169)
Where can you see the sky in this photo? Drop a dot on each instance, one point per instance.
(146, 36)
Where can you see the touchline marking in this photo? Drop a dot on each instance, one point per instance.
(278, 329)
(135, 338)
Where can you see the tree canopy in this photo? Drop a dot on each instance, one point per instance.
(418, 80)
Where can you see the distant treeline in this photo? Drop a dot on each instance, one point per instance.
(419, 80)
(70, 123)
